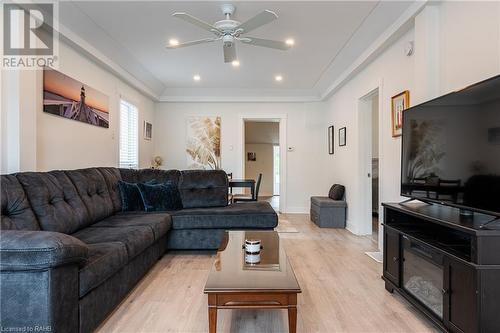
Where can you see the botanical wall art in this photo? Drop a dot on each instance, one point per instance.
(203, 143)
(399, 103)
(66, 97)
(330, 140)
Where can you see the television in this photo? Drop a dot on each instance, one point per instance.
(451, 149)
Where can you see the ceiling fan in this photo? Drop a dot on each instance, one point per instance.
(230, 31)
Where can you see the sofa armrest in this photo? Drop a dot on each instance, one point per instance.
(26, 250)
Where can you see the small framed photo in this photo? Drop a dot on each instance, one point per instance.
(342, 136)
(252, 157)
(330, 140)
(148, 130)
(399, 103)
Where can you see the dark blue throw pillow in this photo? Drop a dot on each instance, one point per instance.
(160, 197)
(131, 197)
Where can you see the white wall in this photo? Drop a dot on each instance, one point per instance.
(306, 133)
(456, 44)
(263, 164)
(59, 143)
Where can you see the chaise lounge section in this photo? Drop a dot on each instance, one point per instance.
(69, 255)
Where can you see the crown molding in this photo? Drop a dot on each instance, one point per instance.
(396, 30)
(75, 42)
(158, 93)
(180, 95)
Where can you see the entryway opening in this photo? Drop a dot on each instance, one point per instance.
(262, 156)
(368, 113)
(374, 173)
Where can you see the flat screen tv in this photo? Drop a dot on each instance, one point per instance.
(451, 149)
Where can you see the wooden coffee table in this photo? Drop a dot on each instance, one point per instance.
(233, 284)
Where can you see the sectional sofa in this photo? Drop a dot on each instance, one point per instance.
(69, 255)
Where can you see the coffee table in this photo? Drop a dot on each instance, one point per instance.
(233, 284)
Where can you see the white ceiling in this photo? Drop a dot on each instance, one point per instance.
(329, 36)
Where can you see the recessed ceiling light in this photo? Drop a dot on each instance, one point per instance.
(278, 78)
(290, 42)
(235, 63)
(173, 42)
(197, 77)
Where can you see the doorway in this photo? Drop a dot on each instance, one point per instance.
(369, 115)
(262, 152)
(374, 169)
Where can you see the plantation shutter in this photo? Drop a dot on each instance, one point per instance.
(129, 151)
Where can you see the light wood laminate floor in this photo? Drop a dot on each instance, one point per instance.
(341, 291)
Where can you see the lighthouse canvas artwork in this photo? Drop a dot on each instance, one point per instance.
(66, 97)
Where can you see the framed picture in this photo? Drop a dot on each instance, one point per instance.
(148, 130)
(330, 140)
(67, 97)
(252, 157)
(342, 136)
(399, 103)
(203, 139)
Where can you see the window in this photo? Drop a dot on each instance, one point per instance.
(129, 150)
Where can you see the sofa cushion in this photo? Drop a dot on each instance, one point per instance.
(16, 213)
(131, 197)
(203, 188)
(160, 197)
(93, 190)
(251, 215)
(135, 239)
(148, 175)
(336, 192)
(327, 202)
(55, 201)
(104, 260)
(112, 177)
(159, 223)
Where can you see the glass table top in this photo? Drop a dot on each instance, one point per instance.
(231, 273)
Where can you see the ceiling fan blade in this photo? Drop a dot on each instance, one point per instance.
(258, 20)
(229, 52)
(194, 42)
(274, 44)
(196, 21)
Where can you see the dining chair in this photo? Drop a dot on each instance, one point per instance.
(246, 198)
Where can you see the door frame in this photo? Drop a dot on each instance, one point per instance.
(364, 115)
(281, 119)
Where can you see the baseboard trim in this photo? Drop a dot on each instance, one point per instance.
(297, 210)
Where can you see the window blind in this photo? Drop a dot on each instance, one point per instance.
(129, 150)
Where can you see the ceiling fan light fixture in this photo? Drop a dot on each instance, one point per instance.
(290, 42)
(230, 31)
(196, 77)
(235, 63)
(173, 42)
(278, 78)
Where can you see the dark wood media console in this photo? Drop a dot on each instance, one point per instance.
(445, 264)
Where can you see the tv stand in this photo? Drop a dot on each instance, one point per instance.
(446, 264)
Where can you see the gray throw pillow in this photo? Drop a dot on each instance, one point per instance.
(336, 192)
